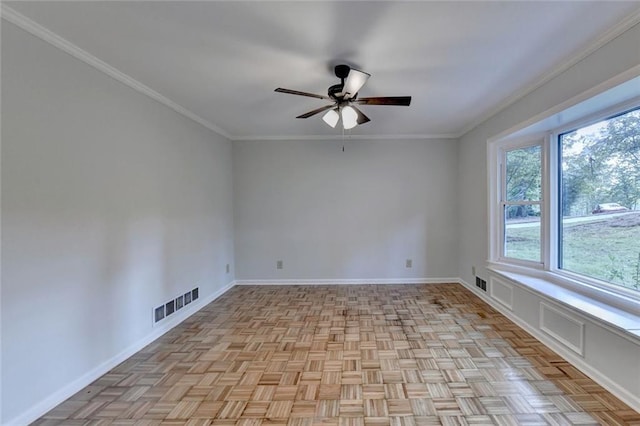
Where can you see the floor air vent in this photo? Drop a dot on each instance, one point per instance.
(481, 284)
(174, 305)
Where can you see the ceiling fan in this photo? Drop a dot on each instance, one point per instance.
(345, 98)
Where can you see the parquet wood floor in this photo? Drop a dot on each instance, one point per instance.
(365, 355)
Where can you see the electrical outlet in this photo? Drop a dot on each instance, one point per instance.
(473, 271)
(408, 263)
(279, 264)
(227, 268)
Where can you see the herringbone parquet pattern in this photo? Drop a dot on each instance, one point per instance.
(345, 356)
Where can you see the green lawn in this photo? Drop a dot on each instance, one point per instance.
(608, 249)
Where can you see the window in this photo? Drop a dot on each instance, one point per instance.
(567, 201)
(599, 198)
(521, 198)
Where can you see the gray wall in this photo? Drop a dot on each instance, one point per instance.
(111, 205)
(329, 214)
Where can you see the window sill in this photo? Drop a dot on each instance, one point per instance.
(623, 314)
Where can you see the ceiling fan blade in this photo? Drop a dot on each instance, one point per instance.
(316, 111)
(355, 80)
(299, 93)
(361, 117)
(385, 100)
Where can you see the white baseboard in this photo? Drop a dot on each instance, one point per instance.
(345, 281)
(72, 388)
(623, 394)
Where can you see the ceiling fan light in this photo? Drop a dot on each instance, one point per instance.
(349, 117)
(355, 80)
(331, 117)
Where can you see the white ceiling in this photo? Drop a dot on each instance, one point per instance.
(221, 61)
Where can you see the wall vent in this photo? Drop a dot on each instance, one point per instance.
(163, 311)
(170, 307)
(179, 302)
(158, 313)
(481, 284)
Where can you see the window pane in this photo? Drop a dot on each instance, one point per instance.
(522, 232)
(600, 200)
(524, 174)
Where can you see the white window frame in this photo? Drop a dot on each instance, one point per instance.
(497, 155)
(502, 152)
(549, 214)
(555, 178)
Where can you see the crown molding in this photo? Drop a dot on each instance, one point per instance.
(345, 137)
(617, 30)
(32, 27)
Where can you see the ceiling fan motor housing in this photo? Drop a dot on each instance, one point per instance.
(335, 90)
(341, 71)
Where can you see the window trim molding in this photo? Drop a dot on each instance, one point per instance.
(600, 115)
